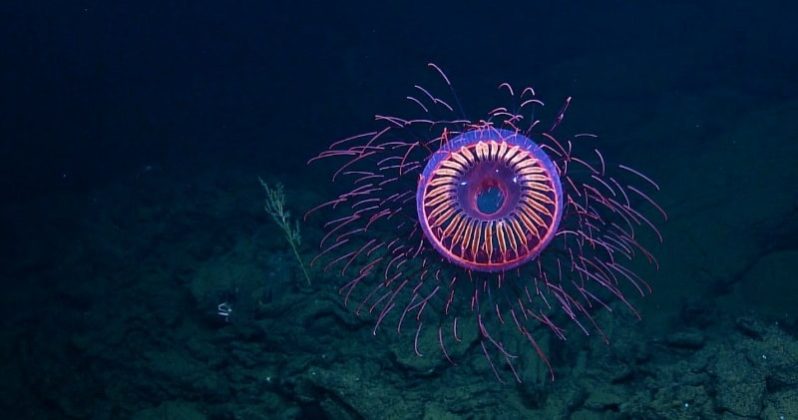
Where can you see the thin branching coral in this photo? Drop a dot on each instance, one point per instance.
(275, 206)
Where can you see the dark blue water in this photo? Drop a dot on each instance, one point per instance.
(142, 278)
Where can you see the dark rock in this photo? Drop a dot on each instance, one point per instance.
(750, 327)
(691, 339)
(740, 386)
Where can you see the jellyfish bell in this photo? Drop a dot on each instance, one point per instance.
(495, 222)
(489, 199)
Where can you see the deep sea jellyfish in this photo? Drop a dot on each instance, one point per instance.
(493, 225)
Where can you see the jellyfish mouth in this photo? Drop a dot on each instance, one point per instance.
(490, 197)
(488, 190)
(489, 200)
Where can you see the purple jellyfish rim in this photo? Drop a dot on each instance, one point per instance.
(506, 180)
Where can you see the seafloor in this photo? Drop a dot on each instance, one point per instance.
(114, 309)
(111, 289)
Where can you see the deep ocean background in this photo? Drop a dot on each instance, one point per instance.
(132, 135)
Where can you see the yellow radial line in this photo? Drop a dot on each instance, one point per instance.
(536, 196)
(440, 215)
(533, 214)
(453, 164)
(462, 238)
(534, 170)
(460, 159)
(481, 149)
(500, 239)
(528, 224)
(442, 219)
(502, 150)
(476, 239)
(511, 152)
(441, 180)
(432, 192)
(518, 230)
(510, 235)
(530, 170)
(489, 239)
(434, 212)
(452, 226)
(494, 150)
(517, 158)
(434, 201)
(458, 235)
(530, 162)
(535, 178)
(446, 172)
(465, 242)
(539, 210)
(467, 154)
(538, 186)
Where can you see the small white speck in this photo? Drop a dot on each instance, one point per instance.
(764, 357)
(686, 405)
